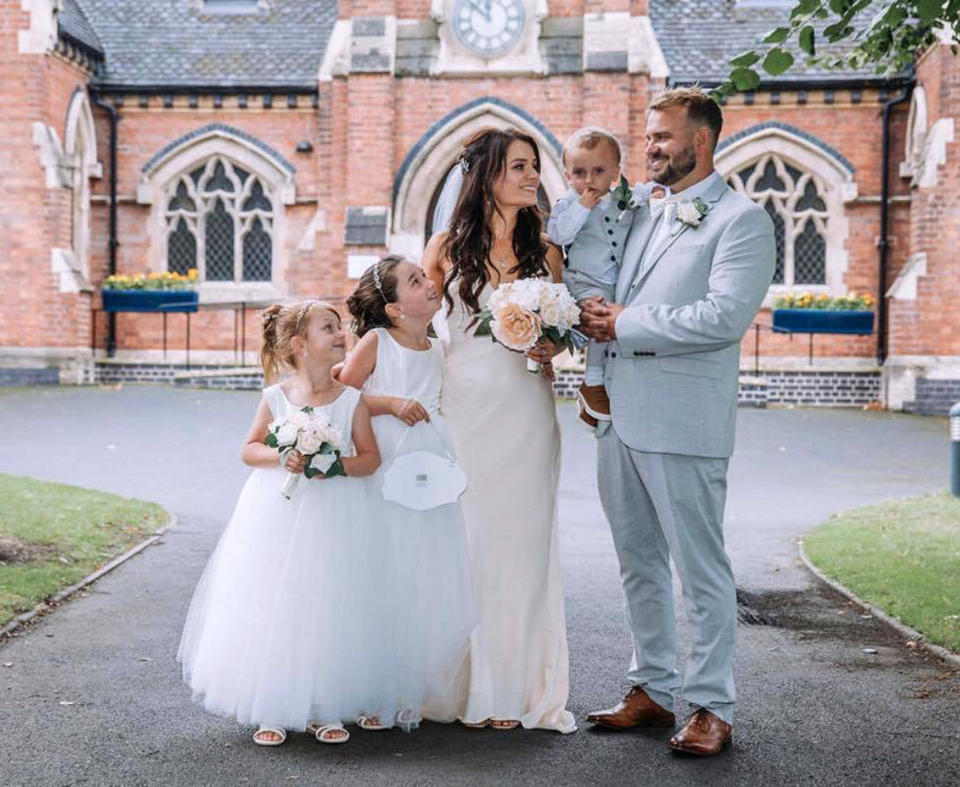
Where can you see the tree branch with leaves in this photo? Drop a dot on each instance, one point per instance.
(885, 35)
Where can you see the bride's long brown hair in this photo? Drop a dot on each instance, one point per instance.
(470, 237)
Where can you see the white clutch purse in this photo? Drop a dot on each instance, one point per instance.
(422, 479)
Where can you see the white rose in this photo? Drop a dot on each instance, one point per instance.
(334, 437)
(309, 441)
(687, 213)
(551, 312)
(525, 293)
(287, 433)
(299, 418)
(323, 462)
(496, 299)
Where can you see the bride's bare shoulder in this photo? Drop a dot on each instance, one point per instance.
(434, 259)
(436, 241)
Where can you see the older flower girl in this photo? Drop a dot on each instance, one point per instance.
(284, 628)
(400, 370)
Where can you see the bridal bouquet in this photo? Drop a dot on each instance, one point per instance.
(522, 312)
(314, 437)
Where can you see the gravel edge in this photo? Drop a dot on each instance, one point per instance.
(911, 634)
(47, 605)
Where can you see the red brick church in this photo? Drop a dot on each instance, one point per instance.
(279, 146)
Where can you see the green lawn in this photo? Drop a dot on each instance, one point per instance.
(902, 556)
(52, 535)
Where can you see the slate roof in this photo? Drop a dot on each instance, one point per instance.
(181, 43)
(235, 44)
(698, 37)
(72, 23)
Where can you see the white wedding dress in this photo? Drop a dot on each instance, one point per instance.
(508, 442)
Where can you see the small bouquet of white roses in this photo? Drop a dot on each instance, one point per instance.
(314, 437)
(522, 312)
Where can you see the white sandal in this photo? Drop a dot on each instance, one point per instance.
(408, 719)
(322, 736)
(371, 723)
(275, 730)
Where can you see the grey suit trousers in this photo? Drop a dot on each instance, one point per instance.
(663, 505)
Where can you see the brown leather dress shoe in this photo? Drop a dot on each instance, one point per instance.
(636, 710)
(594, 404)
(703, 734)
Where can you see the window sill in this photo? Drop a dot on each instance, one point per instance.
(213, 293)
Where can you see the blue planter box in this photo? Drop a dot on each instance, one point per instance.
(149, 300)
(822, 321)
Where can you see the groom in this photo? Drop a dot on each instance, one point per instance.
(696, 267)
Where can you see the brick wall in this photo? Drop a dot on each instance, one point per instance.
(930, 324)
(34, 219)
(361, 129)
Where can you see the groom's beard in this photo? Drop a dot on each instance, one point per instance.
(678, 169)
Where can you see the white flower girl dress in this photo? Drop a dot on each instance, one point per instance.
(287, 623)
(434, 601)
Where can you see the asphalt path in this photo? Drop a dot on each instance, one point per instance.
(94, 696)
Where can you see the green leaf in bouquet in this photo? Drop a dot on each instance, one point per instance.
(336, 469)
(271, 440)
(553, 334)
(483, 320)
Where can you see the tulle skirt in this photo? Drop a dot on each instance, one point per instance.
(432, 580)
(293, 617)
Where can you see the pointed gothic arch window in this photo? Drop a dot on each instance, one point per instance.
(794, 201)
(219, 219)
(80, 154)
(803, 184)
(218, 198)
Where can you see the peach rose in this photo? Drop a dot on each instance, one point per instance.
(515, 327)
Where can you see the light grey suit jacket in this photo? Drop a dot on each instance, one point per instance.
(672, 375)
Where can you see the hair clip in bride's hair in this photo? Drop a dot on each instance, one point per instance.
(464, 163)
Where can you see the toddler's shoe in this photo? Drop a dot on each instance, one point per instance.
(594, 404)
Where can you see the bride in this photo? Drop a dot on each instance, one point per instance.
(506, 435)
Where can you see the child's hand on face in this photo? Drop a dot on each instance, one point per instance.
(410, 411)
(295, 462)
(589, 197)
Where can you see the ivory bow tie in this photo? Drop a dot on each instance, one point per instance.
(660, 204)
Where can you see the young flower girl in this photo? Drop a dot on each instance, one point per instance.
(400, 370)
(282, 631)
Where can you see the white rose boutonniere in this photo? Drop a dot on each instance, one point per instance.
(692, 213)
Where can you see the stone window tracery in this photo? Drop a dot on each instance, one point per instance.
(795, 203)
(219, 218)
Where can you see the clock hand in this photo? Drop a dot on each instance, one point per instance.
(485, 13)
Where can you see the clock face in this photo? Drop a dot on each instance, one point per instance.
(488, 27)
